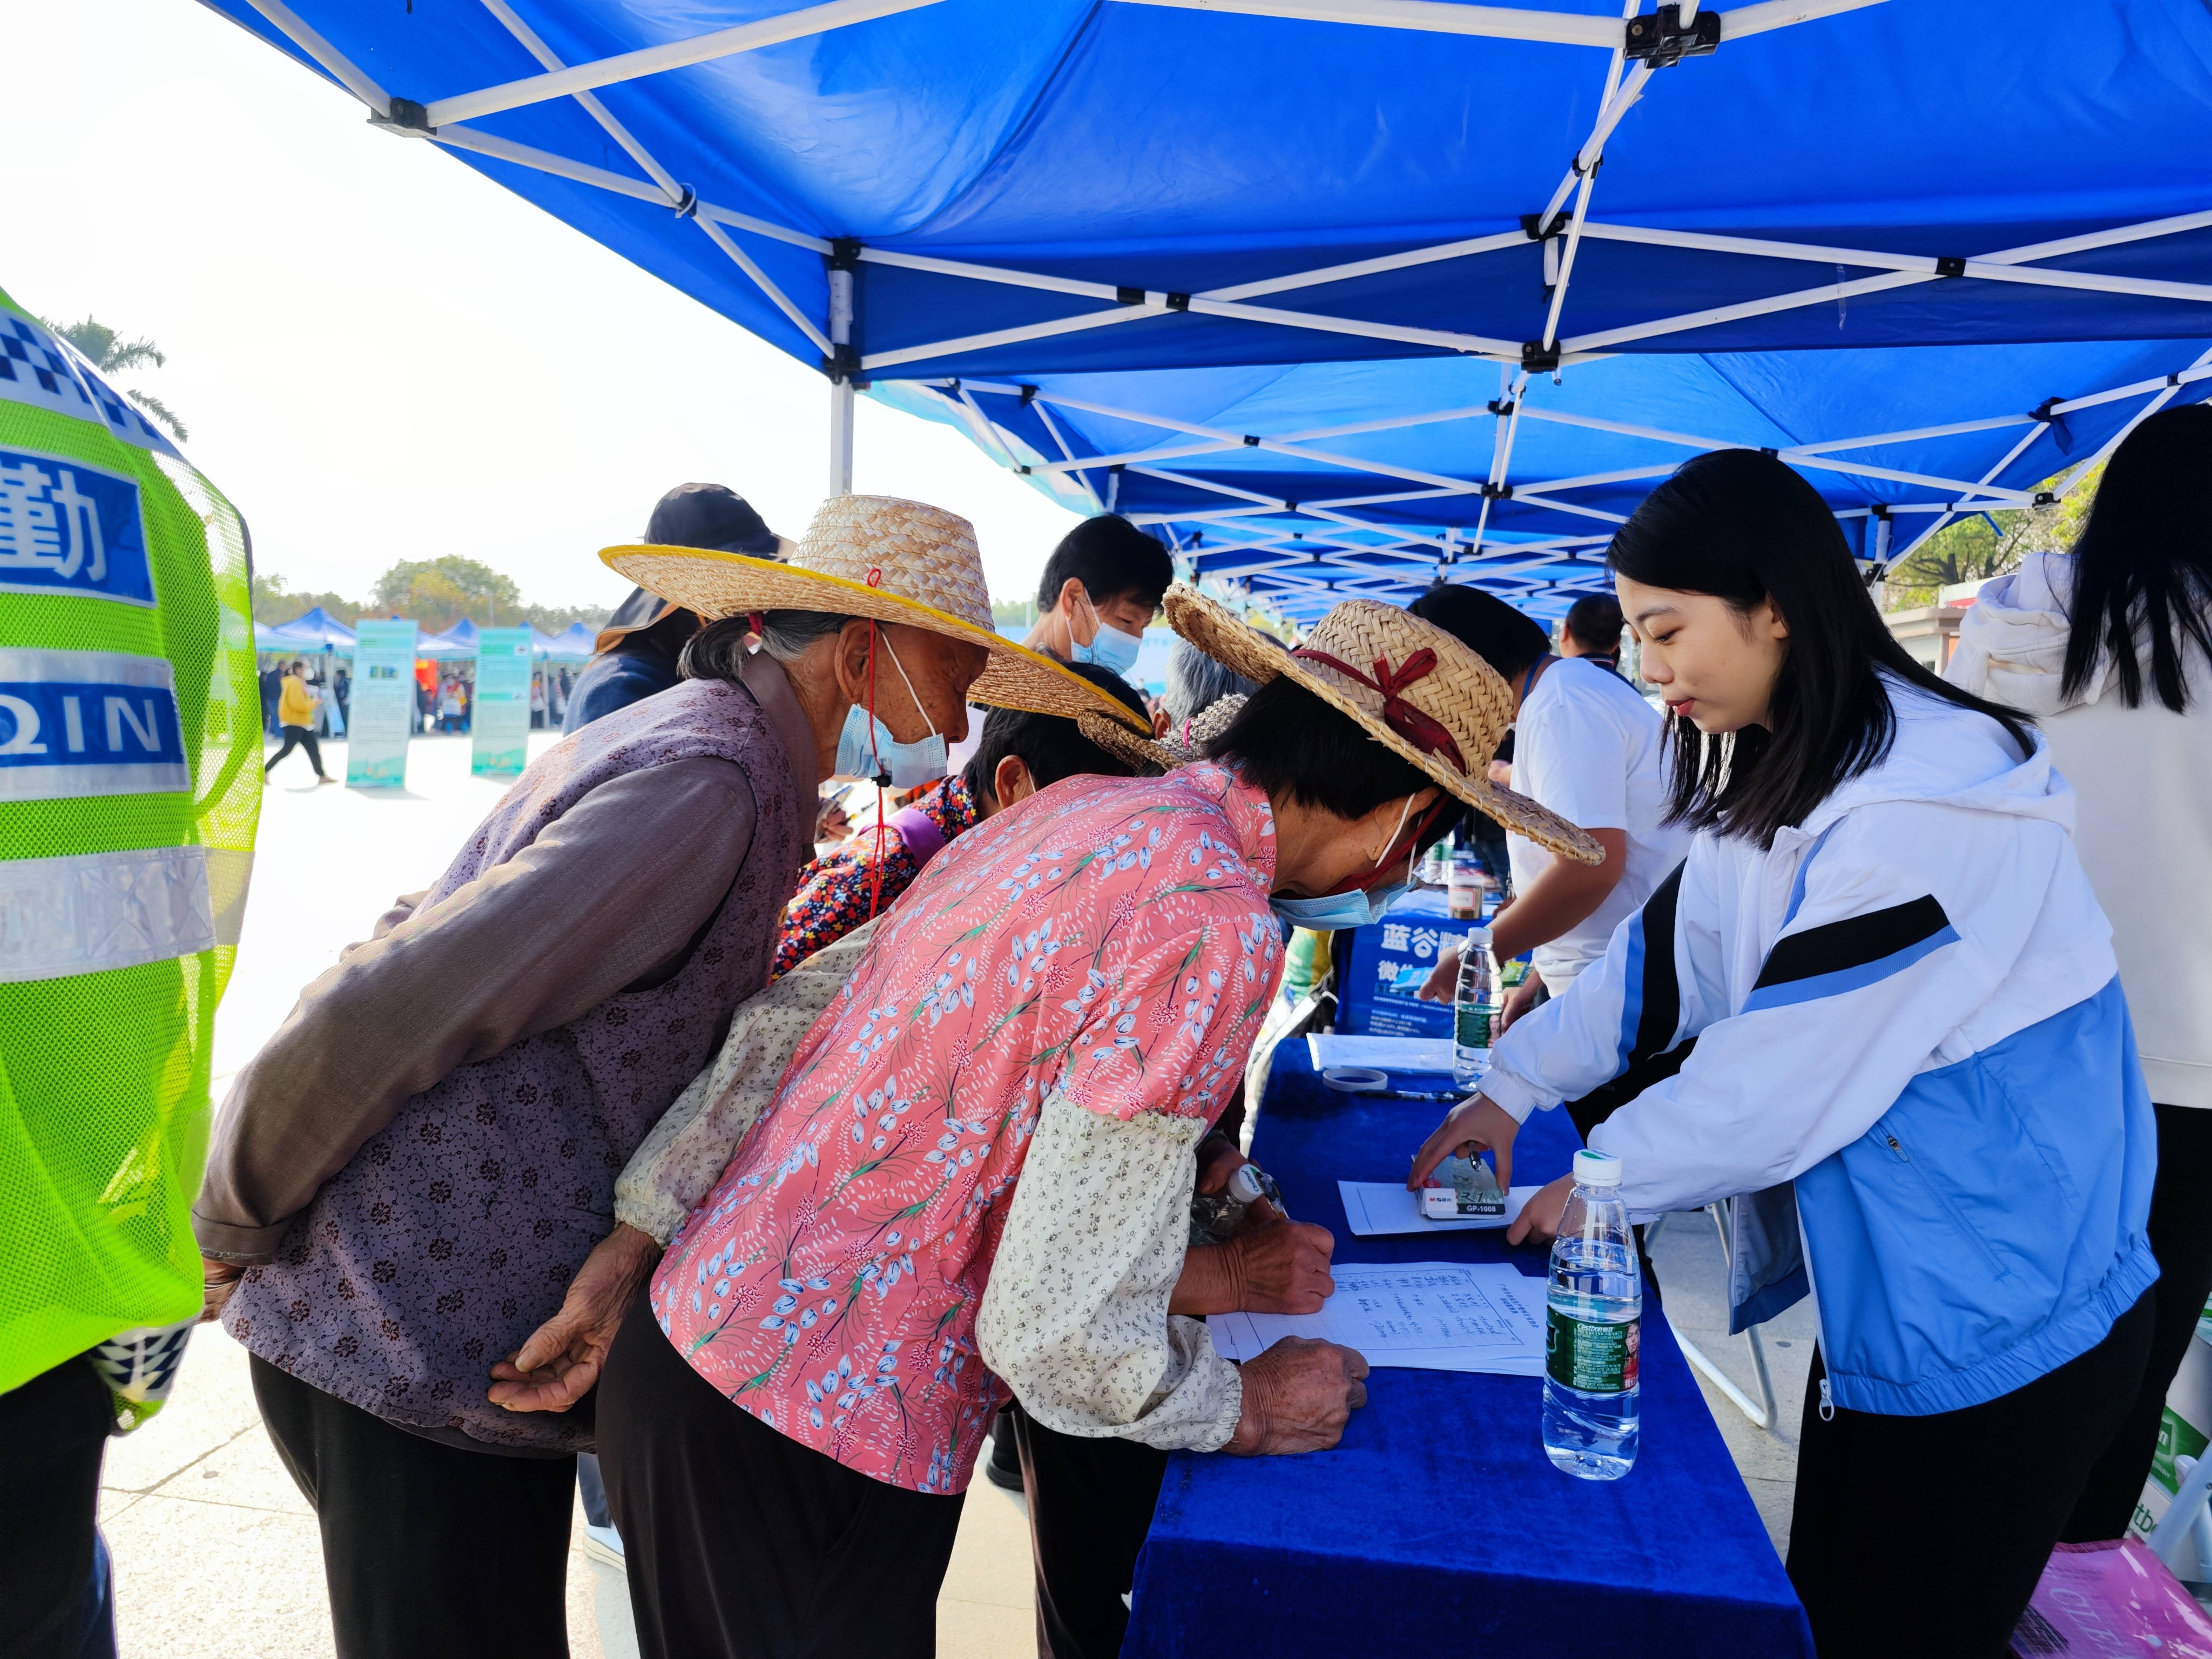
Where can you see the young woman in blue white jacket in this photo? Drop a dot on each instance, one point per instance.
(1877, 1007)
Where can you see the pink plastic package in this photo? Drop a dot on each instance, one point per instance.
(2110, 1599)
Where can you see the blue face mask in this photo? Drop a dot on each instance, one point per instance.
(1333, 910)
(867, 749)
(1109, 647)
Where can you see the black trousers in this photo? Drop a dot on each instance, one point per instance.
(1090, 1504)
(1925, 1535)
(431, 1552)
(297, 737)
(54, 1597)
(740, 1541)
(2181, 1238)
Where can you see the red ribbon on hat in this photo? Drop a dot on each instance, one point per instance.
(1424, 731)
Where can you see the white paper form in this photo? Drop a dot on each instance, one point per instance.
(1424, 1315)
(1379, 1207)
(1385, 1053)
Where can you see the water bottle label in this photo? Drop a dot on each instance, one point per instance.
(1588, 1355)
(1471, 1025)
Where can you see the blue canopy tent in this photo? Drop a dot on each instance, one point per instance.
(456, 643)
(312, 631)
(1259, 218)
(572, 644)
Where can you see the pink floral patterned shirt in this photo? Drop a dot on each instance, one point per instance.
(1109, 940)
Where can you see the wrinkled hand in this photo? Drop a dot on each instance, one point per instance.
(1218, 1160)
(557, 1366)
(1442, 982)
(1540, 1216)
(1519, 1002)
(218, 1282)
(1299, 1396)
(1476, 1123)
(1282, 1267)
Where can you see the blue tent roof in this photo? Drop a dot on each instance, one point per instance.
(572, 644)
(1174, 153)
(312, 630)
(1274, 216)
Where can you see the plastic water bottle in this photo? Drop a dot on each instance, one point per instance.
(1477, 1001)
(1592, 1328)
(1215, 1217)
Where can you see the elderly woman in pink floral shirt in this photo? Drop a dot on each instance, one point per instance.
(977, 1171)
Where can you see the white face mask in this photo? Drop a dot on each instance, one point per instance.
(1109, 647)
(865, 747)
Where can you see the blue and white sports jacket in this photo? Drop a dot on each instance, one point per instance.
(1896, 1039)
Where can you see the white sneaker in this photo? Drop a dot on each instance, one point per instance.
(604, 1544)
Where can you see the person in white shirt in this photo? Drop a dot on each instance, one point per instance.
(1592, 628)
(1586, 747)
(1880, 1013)
(2110, 646)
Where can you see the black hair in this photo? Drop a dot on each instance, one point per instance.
(1739, 525)
(1594, 623)
(1509, 641)
(717, 651)
(1052, 747)
(2143, 562)
(1196, 681)
(1111, 557)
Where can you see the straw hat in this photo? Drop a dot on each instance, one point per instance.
(1184, 743)
(1416, 689)
(876, 556)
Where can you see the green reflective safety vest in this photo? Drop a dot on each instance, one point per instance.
(130, 783)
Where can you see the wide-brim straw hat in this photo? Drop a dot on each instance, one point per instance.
(1177, 745)
(1364, 659)
(885, 559)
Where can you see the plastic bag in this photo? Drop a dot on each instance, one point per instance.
(2113, 1598)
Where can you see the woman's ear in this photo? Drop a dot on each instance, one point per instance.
(1011, 780)
(1771, 618)
(849, 661)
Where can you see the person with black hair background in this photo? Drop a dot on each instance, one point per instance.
(639, 649)
(1586, 746)
(1879, 1011)
(1591, 630)
(1101, 587)
(2110, 646)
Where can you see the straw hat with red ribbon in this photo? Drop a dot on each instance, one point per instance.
(879, 557)
(1421, 692)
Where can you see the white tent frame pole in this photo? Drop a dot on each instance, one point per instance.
(1082, 476)
(655, 60)
(1560, 28)
(2196, 370)
(339, 66)
(1892, 558)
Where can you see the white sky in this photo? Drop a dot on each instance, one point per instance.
(382, 354)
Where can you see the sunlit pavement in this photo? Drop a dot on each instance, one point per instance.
(216, 1553)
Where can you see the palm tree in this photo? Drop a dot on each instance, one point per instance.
(111, 354)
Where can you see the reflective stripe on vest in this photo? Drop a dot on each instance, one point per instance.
(93, 911)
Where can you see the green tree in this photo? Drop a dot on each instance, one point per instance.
(111, 354)
(273, 601)
(1016, 617)
(438, 592)
(1984, 544)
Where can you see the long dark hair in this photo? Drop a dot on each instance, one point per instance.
(1741, 526)
(2143, 562)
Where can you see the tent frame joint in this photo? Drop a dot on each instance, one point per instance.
(1539, 358)
(1951, 265)
(686, 205)
(1661, 39)
(406, 119)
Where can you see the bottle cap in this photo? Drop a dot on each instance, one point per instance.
(1479, 936)
(1244, 1184)
(1593, 1169)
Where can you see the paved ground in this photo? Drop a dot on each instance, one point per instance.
(216, 1553)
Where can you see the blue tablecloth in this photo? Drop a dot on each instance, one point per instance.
(1437, 1526)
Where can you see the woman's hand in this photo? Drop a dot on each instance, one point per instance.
(1518, 1002)
(1443, 983)
(1540, 1216)
(557, 1366)
(1475, 1125)
(218, 1282)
